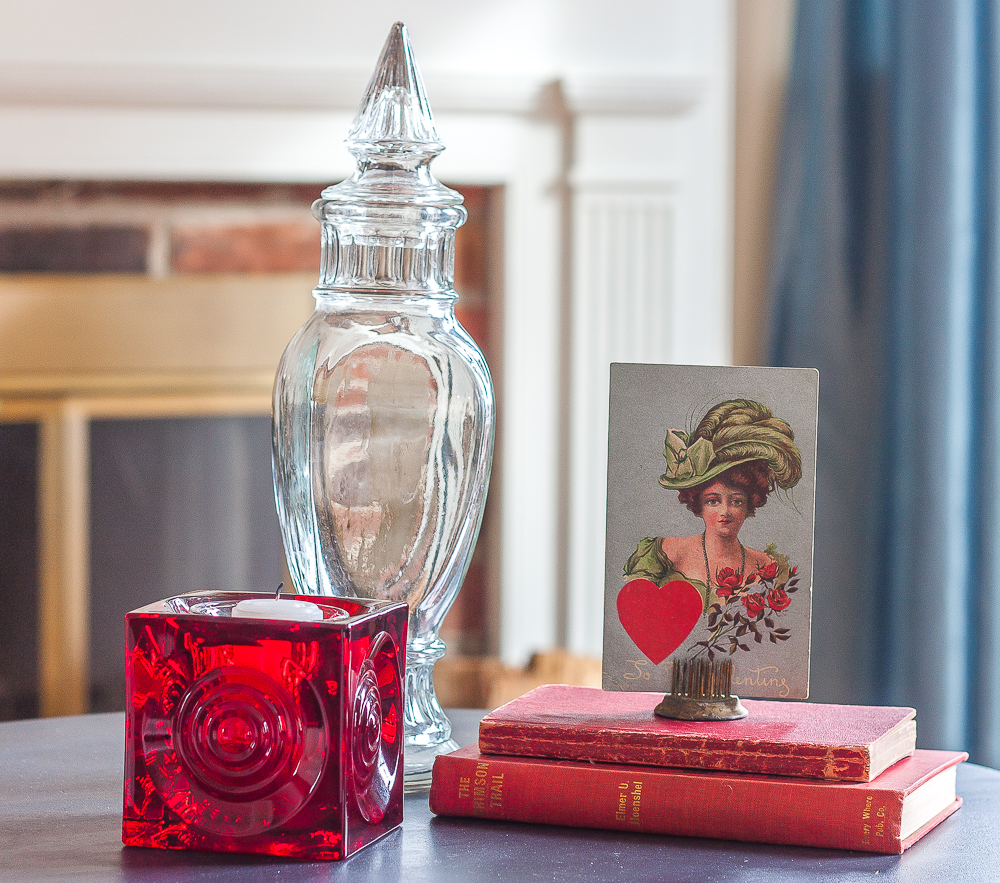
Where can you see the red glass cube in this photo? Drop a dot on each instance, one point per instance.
(263, 735)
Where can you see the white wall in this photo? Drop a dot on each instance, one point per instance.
(608, 123)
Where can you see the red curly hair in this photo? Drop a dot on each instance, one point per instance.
(753, 479)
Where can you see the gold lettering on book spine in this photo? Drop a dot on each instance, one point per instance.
(866, 814)
(496, 791)
(479, 787)
(636, 796)
(621, 814)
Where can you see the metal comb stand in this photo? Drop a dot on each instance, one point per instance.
(702, 691)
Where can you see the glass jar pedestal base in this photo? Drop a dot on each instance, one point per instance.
(427, 730)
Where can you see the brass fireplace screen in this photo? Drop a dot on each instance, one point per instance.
(74, 349)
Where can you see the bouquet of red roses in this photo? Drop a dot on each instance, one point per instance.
(747, 608)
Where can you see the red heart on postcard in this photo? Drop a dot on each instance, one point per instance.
(658, 618)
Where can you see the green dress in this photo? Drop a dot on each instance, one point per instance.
(649, 562)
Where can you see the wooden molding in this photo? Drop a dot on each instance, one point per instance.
(635, 95)
(312, 87)
(329, 87)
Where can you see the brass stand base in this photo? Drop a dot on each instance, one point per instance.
(686, 708)
(701, 691)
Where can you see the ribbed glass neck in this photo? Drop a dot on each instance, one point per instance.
(391, 226)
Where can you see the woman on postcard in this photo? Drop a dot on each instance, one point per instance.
(725, 470)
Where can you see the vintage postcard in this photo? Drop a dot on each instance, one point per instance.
(711, 484)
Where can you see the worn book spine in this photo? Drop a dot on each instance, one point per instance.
(847, 762)
(836, 742)
(682, 803)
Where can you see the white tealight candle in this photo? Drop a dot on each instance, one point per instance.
(279, 608)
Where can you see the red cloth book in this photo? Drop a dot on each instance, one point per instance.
(887, 815)
(844, 742)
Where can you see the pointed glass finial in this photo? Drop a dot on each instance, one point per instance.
(391, 225)
(394, 119)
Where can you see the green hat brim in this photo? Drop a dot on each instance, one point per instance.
(681, 484)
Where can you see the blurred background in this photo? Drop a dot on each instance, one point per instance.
(724, 182)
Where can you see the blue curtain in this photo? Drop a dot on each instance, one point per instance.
(886, 277)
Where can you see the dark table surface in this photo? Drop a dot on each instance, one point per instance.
(60, 819)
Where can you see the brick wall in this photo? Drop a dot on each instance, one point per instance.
(175, 228)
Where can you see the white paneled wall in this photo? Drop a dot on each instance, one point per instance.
(623, 290)
(609, 126)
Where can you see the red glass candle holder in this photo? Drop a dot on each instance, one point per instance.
(263, 735)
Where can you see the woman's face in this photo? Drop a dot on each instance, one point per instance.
(724, 509)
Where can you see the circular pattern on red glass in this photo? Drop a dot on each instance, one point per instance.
(242, 756)
(377, 733)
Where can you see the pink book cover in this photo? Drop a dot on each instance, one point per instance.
(840, 742)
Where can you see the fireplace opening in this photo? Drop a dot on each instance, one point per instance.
(176, 505)
(179, 498)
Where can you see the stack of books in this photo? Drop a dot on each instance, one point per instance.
(806, 774)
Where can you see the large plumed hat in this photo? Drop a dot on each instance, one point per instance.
(731, 433)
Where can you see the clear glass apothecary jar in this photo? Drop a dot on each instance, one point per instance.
(383, 406)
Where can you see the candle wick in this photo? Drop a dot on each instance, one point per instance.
(277, 594)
